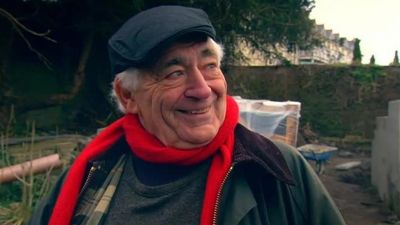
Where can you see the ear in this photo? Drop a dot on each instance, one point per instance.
(125, 97)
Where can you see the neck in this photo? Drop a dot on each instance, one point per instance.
(153, 174)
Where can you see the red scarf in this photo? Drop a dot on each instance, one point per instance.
(149, 148)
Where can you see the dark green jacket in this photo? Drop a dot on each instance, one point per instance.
(270, 184)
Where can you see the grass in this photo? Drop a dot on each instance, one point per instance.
(16, 211)
(19, 198)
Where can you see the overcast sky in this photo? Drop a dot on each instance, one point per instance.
(375, 22)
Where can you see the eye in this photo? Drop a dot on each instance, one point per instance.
(212, 66)
(175, 74)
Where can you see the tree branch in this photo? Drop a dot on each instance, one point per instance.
(19, 27)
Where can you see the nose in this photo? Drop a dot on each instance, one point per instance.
(197, 85)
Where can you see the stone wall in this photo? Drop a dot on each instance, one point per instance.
(385, 163)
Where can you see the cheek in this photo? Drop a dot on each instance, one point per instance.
(219, 87)
(221, 112)
(163, 105)
(169, 96)
(144, 105)
(219, 84)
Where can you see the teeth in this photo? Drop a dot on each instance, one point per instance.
(198, 111)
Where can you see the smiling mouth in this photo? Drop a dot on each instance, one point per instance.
(197, 111)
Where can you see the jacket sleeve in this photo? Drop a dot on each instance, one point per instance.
(44, 208)
(309, 193)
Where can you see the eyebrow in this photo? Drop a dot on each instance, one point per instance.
(173, 62)
(208, 53)
(181, 60)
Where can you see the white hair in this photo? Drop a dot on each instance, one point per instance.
(131, 78)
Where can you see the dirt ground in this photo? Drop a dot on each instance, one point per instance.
(352, 192)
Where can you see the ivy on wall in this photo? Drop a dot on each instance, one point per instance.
(336, 100)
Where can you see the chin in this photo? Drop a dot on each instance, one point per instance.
(200, 140)
(192, 137)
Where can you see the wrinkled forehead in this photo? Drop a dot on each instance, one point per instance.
(179, 52)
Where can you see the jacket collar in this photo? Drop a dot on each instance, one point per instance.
(251, 147)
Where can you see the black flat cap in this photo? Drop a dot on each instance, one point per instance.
(147, 33)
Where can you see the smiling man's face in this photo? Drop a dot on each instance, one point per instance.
(183, 100)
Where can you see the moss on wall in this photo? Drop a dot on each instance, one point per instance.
(336, 100)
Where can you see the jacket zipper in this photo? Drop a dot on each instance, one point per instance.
(217, 202)
(92, 170)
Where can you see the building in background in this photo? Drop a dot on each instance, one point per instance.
(332, 50)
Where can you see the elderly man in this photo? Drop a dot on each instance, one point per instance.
(178, 155)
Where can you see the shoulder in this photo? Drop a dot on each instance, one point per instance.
(256, 144)
(285, 163)
(257, 150)
(292, 157)
(309, 192)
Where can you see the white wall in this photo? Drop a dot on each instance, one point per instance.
(385, 163)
